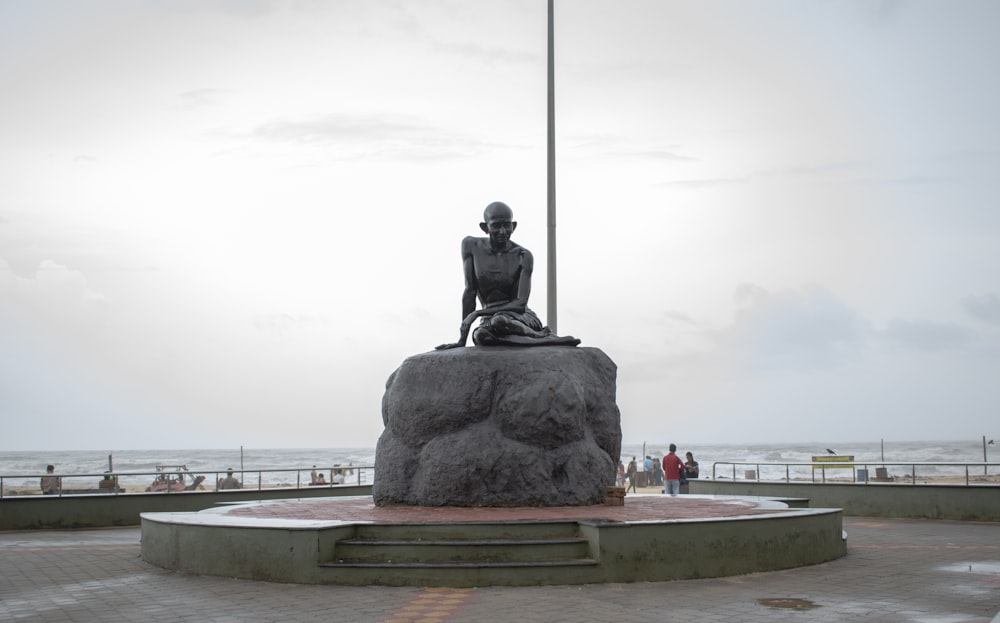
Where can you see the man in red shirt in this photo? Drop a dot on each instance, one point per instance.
(672, 466)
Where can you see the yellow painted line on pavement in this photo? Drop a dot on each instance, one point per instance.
(431, 605)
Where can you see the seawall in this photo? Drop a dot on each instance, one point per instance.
(920, 501)
(103, 510)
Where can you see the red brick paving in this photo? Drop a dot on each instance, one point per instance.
(636, 508)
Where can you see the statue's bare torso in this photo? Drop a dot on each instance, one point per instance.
(496, 274)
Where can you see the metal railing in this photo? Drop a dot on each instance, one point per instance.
(974, 474)
(181, 482)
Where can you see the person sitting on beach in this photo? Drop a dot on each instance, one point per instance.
(498, 273)
(50, 483)
(337, 476)
(314, 477)
(690, 466)
(230, 481)
(108, 483)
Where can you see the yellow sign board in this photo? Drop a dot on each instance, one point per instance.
(833, 461)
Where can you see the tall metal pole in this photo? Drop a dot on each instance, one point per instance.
(986, 469)
(551, 303)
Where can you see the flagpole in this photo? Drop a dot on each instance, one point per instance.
(551, 304)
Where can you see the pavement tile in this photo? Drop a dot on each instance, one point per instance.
(896, 571)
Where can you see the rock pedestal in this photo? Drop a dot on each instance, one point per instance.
(499, 426)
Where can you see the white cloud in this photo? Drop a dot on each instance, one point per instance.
(984, 307)
(795, 329)
(925, 335)
(196, 99)
(55, 297)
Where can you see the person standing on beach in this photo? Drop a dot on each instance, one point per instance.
(657, 475)
(630, 473)
(672, 466)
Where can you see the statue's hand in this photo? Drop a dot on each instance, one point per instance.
(463, 334)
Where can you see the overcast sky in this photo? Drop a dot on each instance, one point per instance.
(226, 223)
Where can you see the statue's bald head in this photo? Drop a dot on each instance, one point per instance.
(498, 210)
(498, 222)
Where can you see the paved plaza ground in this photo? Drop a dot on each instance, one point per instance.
(896, 571)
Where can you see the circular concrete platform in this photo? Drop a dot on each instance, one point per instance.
(638, 508)
(351, 541)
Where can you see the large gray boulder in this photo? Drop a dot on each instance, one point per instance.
(499, 426)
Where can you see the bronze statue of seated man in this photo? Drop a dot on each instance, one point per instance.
(498, 274)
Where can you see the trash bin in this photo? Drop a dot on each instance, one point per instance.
(750, 474)
(862, 475)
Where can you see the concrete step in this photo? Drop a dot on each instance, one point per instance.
(470, 554)
(430, 551)
(524, 530)
(463, 573)
(538, 564)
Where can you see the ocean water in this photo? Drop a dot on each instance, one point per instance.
(29, 465)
